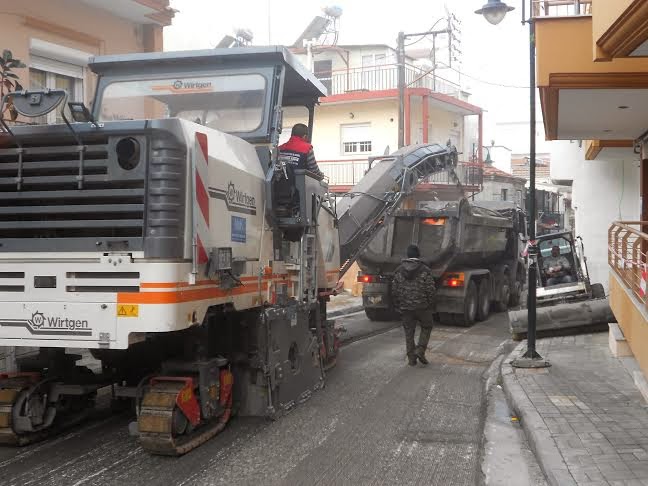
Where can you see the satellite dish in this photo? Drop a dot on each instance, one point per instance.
(333, 11)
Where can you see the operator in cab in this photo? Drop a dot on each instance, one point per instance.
(413, 293)
(298, 153)
(556, 268)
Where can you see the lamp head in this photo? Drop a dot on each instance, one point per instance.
(494, 11)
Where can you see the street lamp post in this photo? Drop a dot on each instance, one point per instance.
(494, 12)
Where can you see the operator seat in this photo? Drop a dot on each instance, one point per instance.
(285, 193)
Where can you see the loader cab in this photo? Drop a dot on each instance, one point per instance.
(566, 248)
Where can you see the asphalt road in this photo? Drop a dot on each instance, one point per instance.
(378, 421)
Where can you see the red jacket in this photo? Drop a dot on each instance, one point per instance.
(298, 154)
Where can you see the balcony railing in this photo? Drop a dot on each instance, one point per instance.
(379, 78)
(349, 172)
(561, 8)
(627, 249)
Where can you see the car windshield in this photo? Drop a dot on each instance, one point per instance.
(547, 245)
(230, 103)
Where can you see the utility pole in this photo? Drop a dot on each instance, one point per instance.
(400, 51)
(400, 59)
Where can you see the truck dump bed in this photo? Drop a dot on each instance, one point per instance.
(449, 234)
(380, 191)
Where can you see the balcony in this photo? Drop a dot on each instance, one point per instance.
(627, 249)
(561, 8)
(380, 78)
(344, 174)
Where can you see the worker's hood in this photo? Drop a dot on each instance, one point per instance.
(411, 267)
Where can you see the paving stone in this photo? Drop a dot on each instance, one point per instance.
(594, 417)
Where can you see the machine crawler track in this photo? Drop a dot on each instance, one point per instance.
(11, 388)
(159, 417)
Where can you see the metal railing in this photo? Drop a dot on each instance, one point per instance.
(379, 78)
(349, 172)
(561, 8)
(627, 249)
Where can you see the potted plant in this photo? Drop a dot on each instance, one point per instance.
(9, 81)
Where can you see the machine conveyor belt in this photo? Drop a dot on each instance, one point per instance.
(381, 191)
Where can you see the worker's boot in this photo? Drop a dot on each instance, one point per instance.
(420, 354)
(411, 359)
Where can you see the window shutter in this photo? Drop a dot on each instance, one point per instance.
(356, 133)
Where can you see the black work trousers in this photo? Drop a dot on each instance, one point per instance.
(424, 319)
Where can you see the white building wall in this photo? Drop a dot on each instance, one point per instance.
(501, 157)
(492, 191)
(565, 156)
(603, 191)
(515, 135)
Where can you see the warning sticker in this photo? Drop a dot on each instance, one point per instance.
(129, 310)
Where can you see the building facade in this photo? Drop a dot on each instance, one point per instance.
(359, 117)
(593, 89)
(55, 38)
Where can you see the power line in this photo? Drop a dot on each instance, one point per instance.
(424, 36)
(491, 83)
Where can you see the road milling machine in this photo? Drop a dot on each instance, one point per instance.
(159, 231)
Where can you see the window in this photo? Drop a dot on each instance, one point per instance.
(356, 139)
(504, 194)
(323, 71)
(51, 74)
(232, 103)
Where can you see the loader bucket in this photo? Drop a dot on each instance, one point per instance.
(562, 319)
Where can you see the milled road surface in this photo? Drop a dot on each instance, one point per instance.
(378, 421)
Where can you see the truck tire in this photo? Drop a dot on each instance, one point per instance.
(483, 307)
(470, 307)
(501, 305)
(598, 291)
(381, 315)
(516, 292)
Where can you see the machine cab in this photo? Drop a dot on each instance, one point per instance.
(239, 91)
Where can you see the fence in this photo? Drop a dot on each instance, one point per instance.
(561, 8)
(627, 248)
(379, 78)
(349, 172)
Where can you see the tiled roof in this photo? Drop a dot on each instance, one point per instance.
(490, 171)
(520, 168)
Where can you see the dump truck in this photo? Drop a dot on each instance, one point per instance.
(160, 231)
(473, 248)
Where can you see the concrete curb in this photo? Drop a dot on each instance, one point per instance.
(540, 440)
(345, 310)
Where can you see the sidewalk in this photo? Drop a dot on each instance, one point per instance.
(584, 418)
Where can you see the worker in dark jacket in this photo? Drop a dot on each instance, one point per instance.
(298, 153)
(413, 292)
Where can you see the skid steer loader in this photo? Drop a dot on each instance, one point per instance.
(573, 306)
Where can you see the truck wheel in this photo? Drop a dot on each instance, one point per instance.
(501, 305)
(372, 314)
(514, 300)
(483, 309)
(598, 291)
(470, 305)
(381, 315)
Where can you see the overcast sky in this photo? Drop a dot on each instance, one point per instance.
(491, 54)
